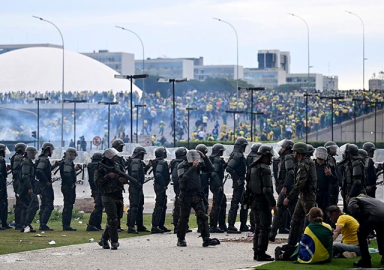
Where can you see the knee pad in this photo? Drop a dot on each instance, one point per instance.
(113, 221)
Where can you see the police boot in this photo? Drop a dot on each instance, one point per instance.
(69, 228)
(244, 228)
(114, 245)
(232, 229)
(164, 229)
(181, 243)
(272, 236)
(264, 258)
(132, 230)
(211, 242)
(44, 227)
(91, 228)
(363, 263)
(142, 228)
(156, 230)
(215, 230)
(104, 243)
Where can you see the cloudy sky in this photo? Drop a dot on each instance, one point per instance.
(185, 28)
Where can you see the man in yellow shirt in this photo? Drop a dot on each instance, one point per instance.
(347, 226)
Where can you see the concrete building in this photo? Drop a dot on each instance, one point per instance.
(330, 83)
(376, 84)
(268, 78)
(301, 79)
(228, 72)
(166, 67)
(123, 63)
(274, 59)
(11, 47)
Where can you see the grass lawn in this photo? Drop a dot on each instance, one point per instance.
(335, 264)
(13, 241)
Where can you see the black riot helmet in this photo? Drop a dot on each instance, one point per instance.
(31, 152)
(97, 157)
(287, 144)
(47, 146)
(369, 147)
(201, 147)
(138, 151)
(241, 141)
(217, 150)
(265, 150)
(331, 148)
(160, 152)
(352, 150)
(363, 153)
(310, 150)
(2, 149)
(181, 153)
(118, 144)
(20, 148)
(255, 147)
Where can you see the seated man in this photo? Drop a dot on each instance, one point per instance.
(347, 226)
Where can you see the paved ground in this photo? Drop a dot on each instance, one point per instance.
(145, 252)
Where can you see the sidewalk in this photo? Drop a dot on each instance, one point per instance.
(143, 252)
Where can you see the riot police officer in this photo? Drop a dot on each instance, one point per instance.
(204, 176)
(191, 196)
(219, 203)
(27, 190)
(111, 187)
(162, 179)
(3, 189)
(259, 185)
(334, 184)
(15, 167)
(304, 188)
(370, 169)
(236, 167)
(137, 169)
(354, 174)
(253, 154)
(95, 219)
(181, 154)
(118, 144)
(43, 174)
(284, 183)
(68, 187)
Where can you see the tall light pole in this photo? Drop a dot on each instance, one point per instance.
(252, 89)
(173, 81)
(142, 46)
(309, 66)
(131, 78)
(234, 122)
(332, 98)
(38, 119)
(362, 22)
(137, 120)
(74, 101)
(188, 110)
(109, 116)
(62, 86)
(237, 57)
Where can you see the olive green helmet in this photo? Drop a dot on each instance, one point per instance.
(300, 148)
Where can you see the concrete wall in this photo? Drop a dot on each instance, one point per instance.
(365, 127)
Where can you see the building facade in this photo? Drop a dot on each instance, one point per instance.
(268, 78)
(166, 68)
(123, 63)
(274, 59)
(228, 72)
(376, 84)
(11, 47)
(301, 79)
(330, 83)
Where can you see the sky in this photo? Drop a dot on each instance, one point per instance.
(186, 28)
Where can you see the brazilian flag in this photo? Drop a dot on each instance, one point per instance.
(316, 244)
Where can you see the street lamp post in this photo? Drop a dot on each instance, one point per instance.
(137, 120)
(74, 101)
(38, 119)
(234, 122)
(62, 86)
(131, 77)
(252, 114)
(332, 98)
(251, 89)
(306, 112)
(188, 110)
(309, 66)
(362, 22)
(355, 116)
(109, 116)
(237, 57)
(173, 81)
(142, 46)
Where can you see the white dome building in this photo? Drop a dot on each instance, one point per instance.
(39, 69)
